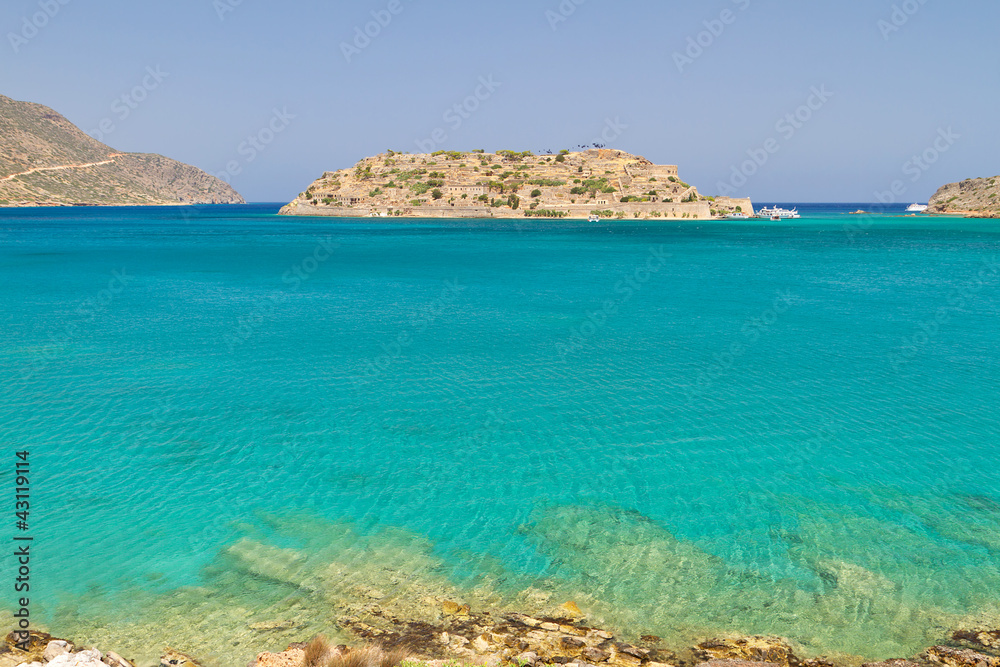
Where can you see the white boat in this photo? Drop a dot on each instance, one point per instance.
(594, 218)
(778, 213)
(916, 208)
(737, 216)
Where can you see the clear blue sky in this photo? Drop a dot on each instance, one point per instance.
(229, 64)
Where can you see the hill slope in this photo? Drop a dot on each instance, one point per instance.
(45, 159)
(456, 184)
(978, 197)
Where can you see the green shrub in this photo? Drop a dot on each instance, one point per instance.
(536, 193)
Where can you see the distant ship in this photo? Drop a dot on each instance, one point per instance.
(916, 208)
(778, 213)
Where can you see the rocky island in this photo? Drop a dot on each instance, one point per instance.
(508, 184)
(45, 160)
(973, 198)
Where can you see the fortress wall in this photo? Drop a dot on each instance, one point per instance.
(701, 210)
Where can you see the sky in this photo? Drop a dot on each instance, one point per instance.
(789, 101)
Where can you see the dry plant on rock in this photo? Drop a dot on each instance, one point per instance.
(368, 656)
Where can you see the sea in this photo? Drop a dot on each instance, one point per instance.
(241, 427)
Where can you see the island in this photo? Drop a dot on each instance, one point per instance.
(45, 160)
(973, 198)
(597, 182)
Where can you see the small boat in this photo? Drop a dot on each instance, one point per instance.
(737, 216)
(594, 218)
(916, 208)
(778, 213)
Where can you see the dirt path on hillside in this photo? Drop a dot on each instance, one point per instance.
(66, 166)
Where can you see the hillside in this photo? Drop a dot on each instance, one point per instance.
(976, 197)
(46, 160)
(455, 184)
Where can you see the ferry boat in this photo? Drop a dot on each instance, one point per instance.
(778, 213)
(916, 208)
(737, 216)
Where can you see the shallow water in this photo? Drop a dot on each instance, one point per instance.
(686, 428)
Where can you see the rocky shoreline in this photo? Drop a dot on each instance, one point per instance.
(465, 637)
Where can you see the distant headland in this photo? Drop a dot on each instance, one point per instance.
(973, 198)
(507, 184)
(45, 160)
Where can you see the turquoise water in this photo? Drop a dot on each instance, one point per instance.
(687, 428)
